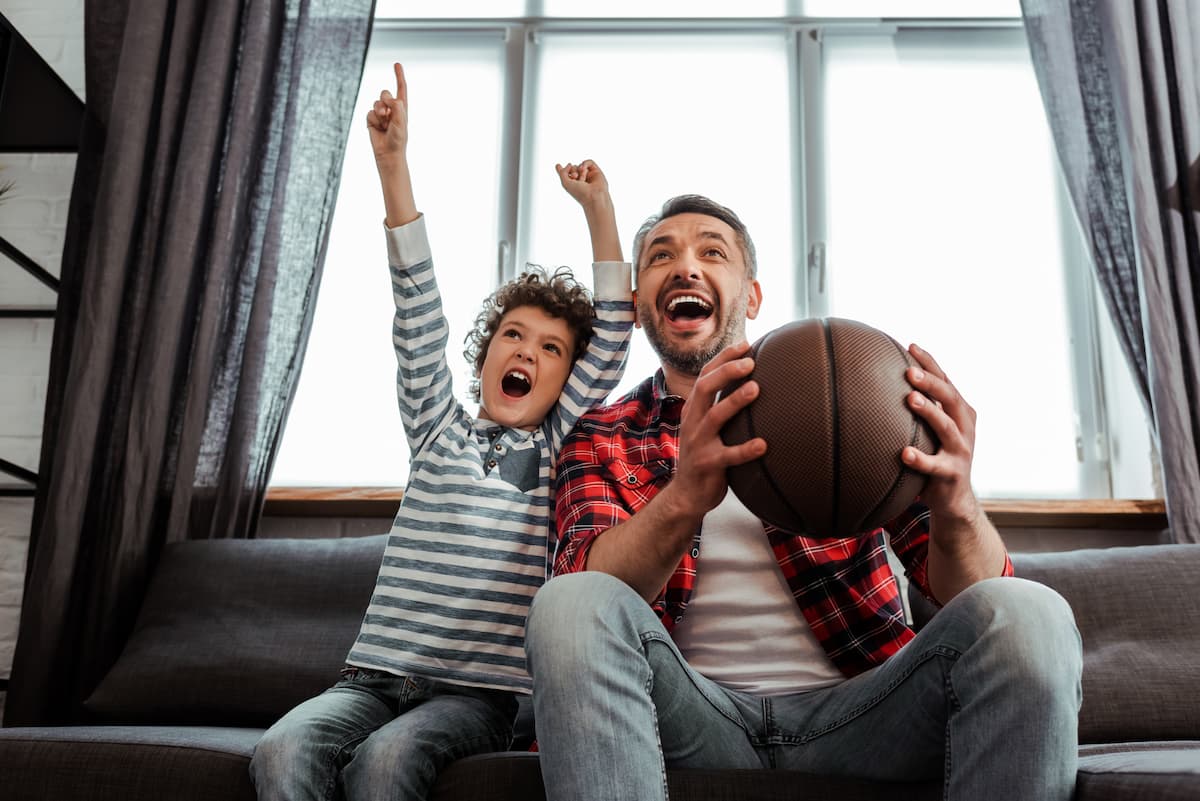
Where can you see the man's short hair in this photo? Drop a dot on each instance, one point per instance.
(698, 204)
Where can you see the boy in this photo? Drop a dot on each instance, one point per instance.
(440, 654)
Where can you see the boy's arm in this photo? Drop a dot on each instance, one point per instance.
(600, 368)
(586, 183)
(419, 330)
(387, 123)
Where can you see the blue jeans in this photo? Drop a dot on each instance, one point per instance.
(374, 736)
(986, 697)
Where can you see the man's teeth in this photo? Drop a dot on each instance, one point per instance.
(701, 302)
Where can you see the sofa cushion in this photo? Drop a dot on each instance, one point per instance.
(98, 763)
(476, 779)
(1159, 771)
(1136, 610)
(237, 632)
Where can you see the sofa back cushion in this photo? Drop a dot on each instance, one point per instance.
(1137, 610)
(236, 632)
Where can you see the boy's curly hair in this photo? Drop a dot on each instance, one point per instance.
(559, 295)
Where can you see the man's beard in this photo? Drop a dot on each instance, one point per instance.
(689, 358)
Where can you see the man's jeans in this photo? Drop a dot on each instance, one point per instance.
(987, 696)
(377, 737)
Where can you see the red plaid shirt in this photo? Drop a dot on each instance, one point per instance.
(620, 456)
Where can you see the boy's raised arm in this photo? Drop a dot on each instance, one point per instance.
(387, 123)
(586, 183)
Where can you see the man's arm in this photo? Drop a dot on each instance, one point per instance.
(964, 546)
(644, 550)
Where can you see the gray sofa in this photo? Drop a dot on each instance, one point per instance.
(233, 633)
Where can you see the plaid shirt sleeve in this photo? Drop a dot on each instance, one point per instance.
(909, 533)
(586, 502)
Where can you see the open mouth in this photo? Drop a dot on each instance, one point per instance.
(688, 309)
(515, 384)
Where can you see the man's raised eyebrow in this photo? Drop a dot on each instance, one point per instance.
(714, 235)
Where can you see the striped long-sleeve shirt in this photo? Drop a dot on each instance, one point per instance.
(471, 542)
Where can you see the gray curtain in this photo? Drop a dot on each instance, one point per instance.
(1121, 85)
(204, 186)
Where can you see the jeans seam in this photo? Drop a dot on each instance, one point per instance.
(939, 651)
(648, 686)
(952, 699)
(650, 636)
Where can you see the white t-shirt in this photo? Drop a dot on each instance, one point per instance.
(743, 628)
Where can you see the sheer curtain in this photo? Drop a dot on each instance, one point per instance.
(206, 176)
(1121, 85)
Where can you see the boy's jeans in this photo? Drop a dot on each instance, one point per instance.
(379, 737)
(987, 696)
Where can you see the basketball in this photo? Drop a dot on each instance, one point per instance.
(832, 409)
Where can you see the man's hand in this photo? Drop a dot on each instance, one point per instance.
(700, 483)
(938, 402)
(644, 550)
(964, 546)
(387, 121)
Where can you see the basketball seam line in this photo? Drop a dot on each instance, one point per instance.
(762, 462)
(904, 470)
(835, 455)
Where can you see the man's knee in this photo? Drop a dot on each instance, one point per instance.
(1028, 626)
(570, 614)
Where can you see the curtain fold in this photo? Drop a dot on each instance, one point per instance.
(204, 187)
(1121, 84)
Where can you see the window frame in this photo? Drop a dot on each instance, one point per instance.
(805, 82)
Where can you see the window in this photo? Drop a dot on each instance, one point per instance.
(897, 173)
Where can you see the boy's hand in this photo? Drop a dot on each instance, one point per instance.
(584, 181)
(387, 121)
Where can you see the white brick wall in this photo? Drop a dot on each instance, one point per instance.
(33, 217)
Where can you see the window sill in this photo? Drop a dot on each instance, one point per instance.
(1140, 515)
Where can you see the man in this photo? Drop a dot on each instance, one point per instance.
(681, 632)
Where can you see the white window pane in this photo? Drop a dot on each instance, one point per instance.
(344, 426)
(449, 9)
(944, 230)
(900, 9)
(664, 9)
(665, 115)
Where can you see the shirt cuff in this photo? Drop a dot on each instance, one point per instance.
(408, 244)
(611, 280)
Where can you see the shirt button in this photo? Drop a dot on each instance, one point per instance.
(695, 553)
(678, 619)
(491, 462)
(499, 446)
(630, 479)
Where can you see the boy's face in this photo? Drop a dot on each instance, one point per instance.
(526, 366)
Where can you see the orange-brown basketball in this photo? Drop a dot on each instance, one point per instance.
(832, 409)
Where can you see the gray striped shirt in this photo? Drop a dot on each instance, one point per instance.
(471, 543)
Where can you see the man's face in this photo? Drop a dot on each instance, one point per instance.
(694, 293)
(526, 366)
